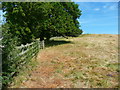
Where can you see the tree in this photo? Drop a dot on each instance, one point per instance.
(42, 20)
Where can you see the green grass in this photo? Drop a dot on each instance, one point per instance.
(87, 61)
(24, 74)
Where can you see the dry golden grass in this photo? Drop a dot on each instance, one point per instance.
(88, 61)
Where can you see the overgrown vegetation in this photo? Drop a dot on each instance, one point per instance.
(14, 58)
(9, 44)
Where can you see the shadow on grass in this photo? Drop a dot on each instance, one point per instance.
(56, 42)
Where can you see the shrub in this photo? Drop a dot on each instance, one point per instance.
(9, 44)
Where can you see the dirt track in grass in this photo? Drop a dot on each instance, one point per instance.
(88, 61)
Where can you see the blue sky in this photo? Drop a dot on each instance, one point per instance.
(99, 17)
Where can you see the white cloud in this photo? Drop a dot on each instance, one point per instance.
(105, 6)
(113, 7)
(110, 7)
(97, 9)
(82, 21)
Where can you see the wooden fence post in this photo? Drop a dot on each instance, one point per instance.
(42, 45)
(38, 42)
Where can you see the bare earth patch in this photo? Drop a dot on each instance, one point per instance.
(88, 61)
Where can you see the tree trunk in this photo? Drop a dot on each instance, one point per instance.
(48, 39)
(65, 36)
(41, 38)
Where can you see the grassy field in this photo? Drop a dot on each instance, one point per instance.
(87, 61)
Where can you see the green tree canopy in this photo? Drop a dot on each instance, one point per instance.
(31, 20)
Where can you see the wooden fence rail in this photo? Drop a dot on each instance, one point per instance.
(17, 58)
(22, 55)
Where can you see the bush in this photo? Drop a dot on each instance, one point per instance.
(14, 59)
(9, 44)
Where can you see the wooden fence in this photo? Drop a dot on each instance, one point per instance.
(23, 54)
(17, 58)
